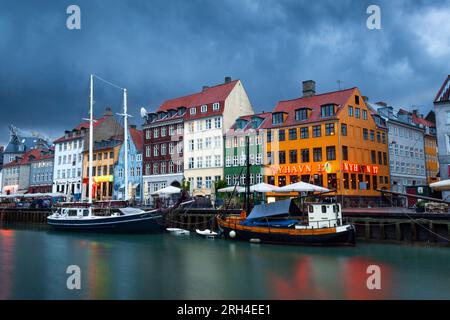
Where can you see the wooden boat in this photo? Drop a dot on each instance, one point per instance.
(283, 222)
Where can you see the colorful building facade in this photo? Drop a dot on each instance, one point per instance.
(235, 149)
(329, 140)
(135, 143)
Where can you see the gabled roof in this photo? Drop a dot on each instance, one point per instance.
(266, 116)
(138, 139)
(83, 125)
(422, 121)
(27, 142)
(207, 96)
(338, 98)
(444, 93)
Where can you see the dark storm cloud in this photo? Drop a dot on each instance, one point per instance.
(163, 49)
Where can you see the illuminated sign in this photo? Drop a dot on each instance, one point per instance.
(104, 179)
(358, 168)
(292, 169)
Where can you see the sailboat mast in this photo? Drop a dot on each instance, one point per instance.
(125, 141)
(91, 136)
(247, 176)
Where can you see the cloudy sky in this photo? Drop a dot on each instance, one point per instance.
(164, 49)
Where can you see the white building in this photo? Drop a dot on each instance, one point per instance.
(208, 118)
(68, 162)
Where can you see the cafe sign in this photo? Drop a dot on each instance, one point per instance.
(299, 169)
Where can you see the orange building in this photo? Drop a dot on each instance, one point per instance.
(106, 155)
(431, 148)
(331, 140)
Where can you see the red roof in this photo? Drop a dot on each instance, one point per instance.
(208, 96)
(82, 125)
(422, 121)
(28, 157)
(267, 116)
(314, 103)
(444, 93)
(138, 139)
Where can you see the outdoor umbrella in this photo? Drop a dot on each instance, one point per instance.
(231, 189)
(302, 187)
(443, 185)
(167, 191)
(261, 188)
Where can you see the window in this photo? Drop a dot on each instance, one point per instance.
(365, 134)
(217, 162)
(317, 131)
(356, 99)
(199, 182)
(208, 162)
(301, 114)
(281, 135)
(282, 157)
(199, 162)
(281, 181)
(331, 153)
(357, 113)
(163, 167)
(171, 130)
(258, 158)
(270, 157)
(346, 182)
(305, 155)
(304, 133)
(378, 136)
(163, 131)
(374, 160)
(191, 163)
(193, 111)
(216, 106)
(208, 124)
(380, 158)
(179, 128)
(156, 150)
(327, 111)
(329, 129)
(163, 149)
(218, 122)
(208, 143)
(344, 153)
(372, 135)
(217, 141)
(156, 133)
(350, 111)
(384, 158)
(293, 156)
(171, 149)
(191, 145)
(199, 144)
(317, 154)
(353, 181)
(208, 182)
(293, 134)
(204, 108)
(383, 138)
(344, 129)
(364, 114)
(191, 127)
(277, 118)
(269, 136)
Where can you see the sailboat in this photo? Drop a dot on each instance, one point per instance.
(82, 217)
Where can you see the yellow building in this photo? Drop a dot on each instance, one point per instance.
(331, 140)
(106, 154)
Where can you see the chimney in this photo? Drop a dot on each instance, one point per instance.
(204, 88)
(309, 88)
(227, 79)
(132, 126)
(108, 112)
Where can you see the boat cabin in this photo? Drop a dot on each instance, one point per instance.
(323, 215)
(72, 212)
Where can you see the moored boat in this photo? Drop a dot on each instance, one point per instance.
(284, 223)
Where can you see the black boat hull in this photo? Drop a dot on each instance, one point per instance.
(343, 238)
(143, 223)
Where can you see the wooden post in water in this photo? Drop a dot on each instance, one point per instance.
(382, 231)
(432, 230)
(367, 230)
(413, 232)
(398, 231)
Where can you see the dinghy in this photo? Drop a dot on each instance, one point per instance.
(178, 231)
(207, 233)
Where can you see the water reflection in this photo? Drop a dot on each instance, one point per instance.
(33, 265)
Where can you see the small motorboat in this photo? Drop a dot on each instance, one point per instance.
(207, 233)
(178, 231)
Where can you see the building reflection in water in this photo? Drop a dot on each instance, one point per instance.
(6, 263)
(315, 277)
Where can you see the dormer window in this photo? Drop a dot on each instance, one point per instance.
(327, 110)
(204, 108)
(301, 114)
(216, 106)
(277, 118)
(193, 111)
(181, 111)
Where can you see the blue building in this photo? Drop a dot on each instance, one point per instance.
(135, 149)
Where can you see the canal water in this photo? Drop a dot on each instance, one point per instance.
(33, 265)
